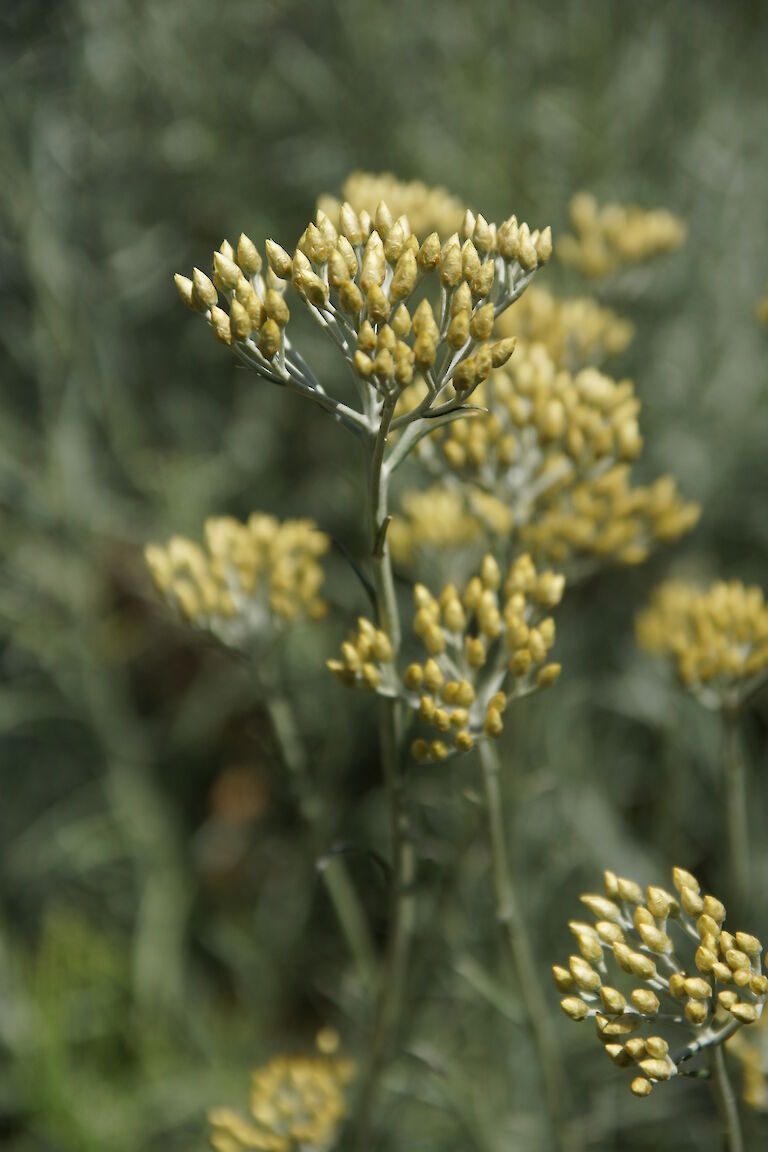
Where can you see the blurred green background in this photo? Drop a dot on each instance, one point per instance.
(162, 925)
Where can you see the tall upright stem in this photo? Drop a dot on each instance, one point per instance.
(515, 937)
(725, 1101)
(402, 899)
(737, 819)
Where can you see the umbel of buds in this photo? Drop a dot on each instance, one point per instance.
(366, 281)
(660, 975)
(247, 579)
(716, 638)
(607, 239)
(484, 647)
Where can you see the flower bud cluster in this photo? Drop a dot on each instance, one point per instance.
(297, 1105)
(576, 331)
(653, 962)
(428, 209)
(716, 637)
(615, 236)
(606, 518)
(357, 276)
(246, 578)
(483, 647)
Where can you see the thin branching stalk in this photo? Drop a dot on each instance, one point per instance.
(515, 937)
(737, 819)
(338, 885)
(402, 907)
(725, 1101)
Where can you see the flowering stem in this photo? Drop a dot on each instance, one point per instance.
(725, 1101)
(515, 937)
(402, 913)
(341, 891)
(736, 810)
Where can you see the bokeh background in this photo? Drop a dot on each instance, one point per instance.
(162, 924)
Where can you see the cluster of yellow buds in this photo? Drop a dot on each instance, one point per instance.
(607, 239)
(607, 518)
(246, 578)
(541, 424)
(356, 276)
(676, 968)
(717, 637)
(484, 647)
(297, 1105)
(576, 331)
(366, 660)
(428, 209)
(446, 518)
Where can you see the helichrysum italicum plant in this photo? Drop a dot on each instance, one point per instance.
(662, 978)
(612, 237)
(484, 647)
(247, 580)
(413, 315)
(297, 1104)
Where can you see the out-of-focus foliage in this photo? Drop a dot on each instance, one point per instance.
(162, 926)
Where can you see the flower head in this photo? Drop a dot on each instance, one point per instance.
(483, 647)
(716, 637)
(607, 239)
(660, 975)
(246, 580)
(297, 1105)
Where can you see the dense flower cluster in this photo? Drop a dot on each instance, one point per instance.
(576, 331)
(547, 459)
(247, 578)
(675, 969)
(717, 637)
(606, 517)
(357, 277)
(428, 209)
(483, 648)
(297, 1105)
(615, 236)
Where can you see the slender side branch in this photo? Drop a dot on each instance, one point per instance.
(737, 818)
(402, 901)
(725, 1101)
(338, 885)
(515, 937)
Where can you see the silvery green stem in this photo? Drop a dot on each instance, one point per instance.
(523, 962)
(725, 1101)
(402, 899)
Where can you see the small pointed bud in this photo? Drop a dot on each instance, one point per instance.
(377, 304)
(276, 308)
(185, 288)
(248, 256)
(450, 264)
(482, 236)
(349, 224)
(468, 224)
(220, 325)
(383, 219)
(458, 330)
(270, 339)
(574, 1007)
(641, 1087)
(374, 264)
(278, 260)
(429, 253)
(544, 245)
(347, 252)
(239, 321)
(481, 324)
(204, 295)
(350, 298)
(645, 1001)
(405, 277)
